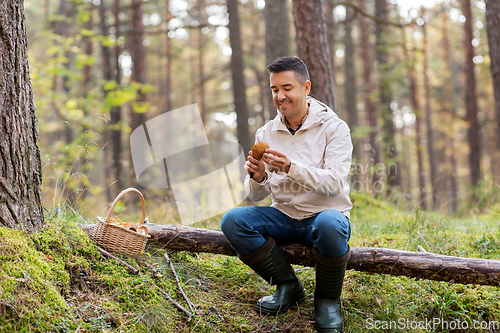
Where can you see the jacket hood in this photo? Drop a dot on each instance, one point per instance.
(319, 113)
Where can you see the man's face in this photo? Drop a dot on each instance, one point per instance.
(289, 95)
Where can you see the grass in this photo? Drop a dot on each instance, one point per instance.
(56, 281)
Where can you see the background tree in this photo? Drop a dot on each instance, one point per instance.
(493, 28)
(312, 47)
(277, 37)
(237, 68)
(20, 164)
(385, 96)
(473, 132)
(350, 89)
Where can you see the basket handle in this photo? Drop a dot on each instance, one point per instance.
(122, 193)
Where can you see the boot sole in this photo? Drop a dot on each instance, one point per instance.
(328, 330)
(296, 300)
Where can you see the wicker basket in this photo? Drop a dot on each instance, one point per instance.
(116, 238)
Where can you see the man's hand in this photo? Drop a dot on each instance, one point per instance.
(255, 167)
(277, 160)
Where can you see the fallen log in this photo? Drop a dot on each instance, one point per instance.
(420, 265)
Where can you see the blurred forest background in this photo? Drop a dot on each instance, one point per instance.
(413, 82)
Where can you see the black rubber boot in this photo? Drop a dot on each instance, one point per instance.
(271, 264)
(329, 280)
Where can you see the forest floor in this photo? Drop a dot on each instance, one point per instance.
(57, 281)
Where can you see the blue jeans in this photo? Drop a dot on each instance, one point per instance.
(246, 229)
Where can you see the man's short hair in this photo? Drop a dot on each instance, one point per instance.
(294, 64)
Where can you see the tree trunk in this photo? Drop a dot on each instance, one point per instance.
(115, 114)
(138, 72)
(473, 132)
(421, 265)
(371, 111)
(277, 38)
(237, 68)
(331, 33)
(312, 47)
(385, 98)
(428, 120)
(87, 41)
(201, 79)
(415, 105)
(450, 111)
(20, 164)
(493, 29)
(168, 67)
(107, 75)
(350, 83)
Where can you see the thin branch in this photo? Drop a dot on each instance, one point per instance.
(107, 254)
(191, 307)
(180, 307)
(371, 17)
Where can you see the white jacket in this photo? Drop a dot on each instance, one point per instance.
(320, 152)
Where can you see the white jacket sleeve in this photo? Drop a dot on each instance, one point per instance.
(332, 178)
(257, 191)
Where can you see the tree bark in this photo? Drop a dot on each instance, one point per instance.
(312, 47)
(350, 83)
(428, 120)
(474, 130)
(89, 49)
(201, 78)
(493, 30)
(20, 164)
(237, 68)
(370, 108)
(385, 97)
(115, 113)
(138, 74)
(277, 38)
(412, 77)
(331, 33)
(421, 265)
(168, 54)
(451, 184)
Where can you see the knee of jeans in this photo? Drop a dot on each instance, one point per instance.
(228, 221)
(333, 224)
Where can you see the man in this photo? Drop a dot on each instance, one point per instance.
(305, 170)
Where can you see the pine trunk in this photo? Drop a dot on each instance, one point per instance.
(450, 111)
(330, 32)
(429, 122)
(168, 67)
(415, 105)
(277, 38)
(312, 48)
(20, 164)
(115, 113)
(473, 132)
(370, 108)
(237, 69)
(385, 97)
(350, 84)
(493, 29)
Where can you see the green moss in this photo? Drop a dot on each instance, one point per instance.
(30, 283)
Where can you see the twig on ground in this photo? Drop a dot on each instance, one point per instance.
(107, 254)
(180, 307)
(153, 271)
(191, 307)
(12, 307)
